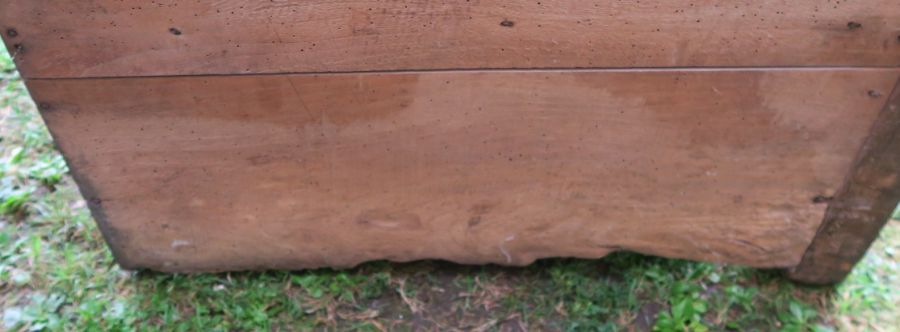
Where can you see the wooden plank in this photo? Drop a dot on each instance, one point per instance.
(106, 38)
(860, 209)
(293, 171)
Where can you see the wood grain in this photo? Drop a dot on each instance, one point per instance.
(106, 38)
(294, 171)
(861, 208)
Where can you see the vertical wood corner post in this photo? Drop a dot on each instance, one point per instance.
(861, 208)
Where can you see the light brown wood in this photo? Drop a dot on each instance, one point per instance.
(293, 171)
(100, 38)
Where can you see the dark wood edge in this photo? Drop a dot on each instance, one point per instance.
(113, 238)
(856, 214)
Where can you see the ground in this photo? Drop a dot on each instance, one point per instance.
(57, 274)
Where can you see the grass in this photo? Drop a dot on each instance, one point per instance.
(56, 274)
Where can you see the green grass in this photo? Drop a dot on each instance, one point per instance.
(56, 274)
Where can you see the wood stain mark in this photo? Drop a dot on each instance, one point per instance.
(18, 49)
(45, 107)
(821, 199)
(474, 221)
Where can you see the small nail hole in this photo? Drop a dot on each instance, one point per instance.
(821, 199)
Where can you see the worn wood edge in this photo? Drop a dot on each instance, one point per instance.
(90, 195)
(857, 213)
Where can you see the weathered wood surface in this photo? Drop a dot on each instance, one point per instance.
(860, 209)
(102, 38)
(293, 171)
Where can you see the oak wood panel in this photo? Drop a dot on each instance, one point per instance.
(861, 208)
(292, 171)
(104, 38)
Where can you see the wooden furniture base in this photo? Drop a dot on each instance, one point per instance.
(232, 135)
